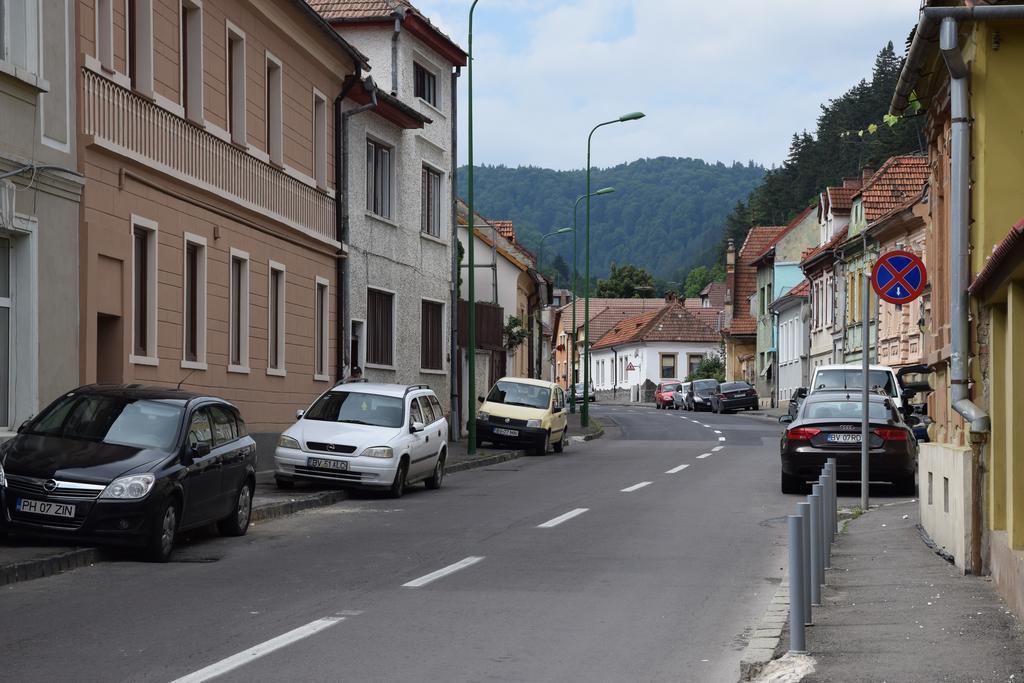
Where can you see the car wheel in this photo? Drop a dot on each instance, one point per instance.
(437, 477)
(791, 484)
(237, 523)
(657, 406)
(542, 447)
(398, 485)
(287, 484)
(161, 537)
(560, 446)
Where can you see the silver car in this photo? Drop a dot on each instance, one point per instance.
(578, 395)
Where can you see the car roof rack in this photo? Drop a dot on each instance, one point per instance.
(415, 387)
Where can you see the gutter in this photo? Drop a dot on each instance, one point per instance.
(398, 16)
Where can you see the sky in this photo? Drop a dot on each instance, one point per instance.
(719, 80)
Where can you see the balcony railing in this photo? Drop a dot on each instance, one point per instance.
(125, 123)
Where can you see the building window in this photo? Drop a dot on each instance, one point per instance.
(430, 202)
(274, 110)
(5, 327)
(693, 361)
(668, 365)
(139, 45)
(144, 263)
(19, 33)
(378, 178)
(425, 84)
(235, 91)
(275, 319)
(380, 319)
(105, 33)
(320, 139)
(192, 59)
(238, 356)
(194, 343)
(321, 315)
(432, 336)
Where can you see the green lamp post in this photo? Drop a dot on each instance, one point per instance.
(575, 287)
(584, 411)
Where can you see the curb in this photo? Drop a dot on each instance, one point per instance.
(767, 637)
(48, 566)
(484, 461)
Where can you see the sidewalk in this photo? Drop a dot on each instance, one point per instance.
(895, 611)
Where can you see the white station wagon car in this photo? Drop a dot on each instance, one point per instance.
(357, 434)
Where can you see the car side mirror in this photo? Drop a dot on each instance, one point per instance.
(299, 414)
(801, 392)
(481, 399)
(912, 420)
(200, 449)
(24, 424)
(785, 419)
(416, 427)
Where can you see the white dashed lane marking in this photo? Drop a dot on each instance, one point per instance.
(634, 487)
(717, 448)
(675, 470)
(441, 573)
(702, 456)
(562, 518)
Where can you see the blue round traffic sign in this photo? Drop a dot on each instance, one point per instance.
(899, 277)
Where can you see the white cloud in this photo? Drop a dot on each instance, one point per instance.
(726, 80)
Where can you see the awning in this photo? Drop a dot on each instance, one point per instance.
(766, 369)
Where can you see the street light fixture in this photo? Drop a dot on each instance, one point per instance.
(575, 289)
(584, 411)
(471, 248)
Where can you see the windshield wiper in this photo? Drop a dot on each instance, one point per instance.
(359, 422)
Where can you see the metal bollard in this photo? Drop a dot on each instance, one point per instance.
(797, 637)
(803, 510)
(826, 517)
(835, 499)
(817, 574)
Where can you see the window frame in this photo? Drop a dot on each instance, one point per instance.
(138, 44)
(662, 355)
(319, 139)
(321, 325)
(431, 201)
(190, 70)
(199, 362)
(239, 302)
(147, 353)
(374, 151)
(429, 83)
(424, 367)
(105, 34)
(279, 369)
(369, 329)
(235, 83)
(274, 101)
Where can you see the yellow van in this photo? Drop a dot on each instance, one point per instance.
(524, 412)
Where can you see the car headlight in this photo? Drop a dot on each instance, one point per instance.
(132, 487)
(379, 452)
(482, 416)
(533, 423)
(3, 477)
(287, 442)
(698, 399)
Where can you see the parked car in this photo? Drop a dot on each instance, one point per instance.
(734, 396)
(129, 465)
(579, 393)
(828, 425)
(700, 393)
(524, 412)
(663, 394)
(361, 435)
(679, 396)
(794, 402)
(849, 377)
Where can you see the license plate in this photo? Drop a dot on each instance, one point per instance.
(38, 507)
(327, 464)
(505, 432)
(843, 438)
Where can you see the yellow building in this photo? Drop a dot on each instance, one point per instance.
(964, 67)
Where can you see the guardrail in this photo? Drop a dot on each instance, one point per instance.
(812, 531)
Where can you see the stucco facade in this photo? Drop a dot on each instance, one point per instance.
(40, 193)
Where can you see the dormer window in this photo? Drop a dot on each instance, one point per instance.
(425, 84)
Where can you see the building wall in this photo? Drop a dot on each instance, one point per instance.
(945, 493)
(765, 332)
(822, 302)
(646, 359)
(792, 351)
(900, 337)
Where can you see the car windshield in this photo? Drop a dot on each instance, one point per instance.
(734, 386)
(117, 420)
(520, 394)
(850, 379)
(843, 410)
(353, 407)
(671, 387)
(704, 386)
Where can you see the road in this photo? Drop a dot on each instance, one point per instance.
(645, 555)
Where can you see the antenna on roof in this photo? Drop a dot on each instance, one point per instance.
(185, 378)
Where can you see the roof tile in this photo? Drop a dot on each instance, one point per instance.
(900, 179)
(672, 322)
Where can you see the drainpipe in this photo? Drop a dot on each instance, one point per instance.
(454, 424)
(345, 340)
(340, 232)
(615, 372)
(399, 15)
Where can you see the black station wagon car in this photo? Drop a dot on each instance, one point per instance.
(128, 465)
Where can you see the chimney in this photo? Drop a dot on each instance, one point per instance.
(671, 297)
(866, 173)
(730, 278)
(851, 183)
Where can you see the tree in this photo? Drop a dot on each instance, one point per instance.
(562, 271)
(627, 282)
(712, 367)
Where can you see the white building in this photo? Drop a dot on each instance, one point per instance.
(666, 343)
(792, 317)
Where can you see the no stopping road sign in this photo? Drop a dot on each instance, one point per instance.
(899, 277)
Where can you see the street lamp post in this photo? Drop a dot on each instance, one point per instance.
(575, 288)
(540, 260)
(584, 411)
(471, 248)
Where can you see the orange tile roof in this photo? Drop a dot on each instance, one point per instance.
(671, 323)
(841, 198)
(802, 289)
(359, 9)
(629, 307)
(741, 326)
(715, 292)
(898, 180)
(746, 277)
(1009, 246)
(712, 317)
(839, 237)
(505, 229)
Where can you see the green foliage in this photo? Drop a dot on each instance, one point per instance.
(462, 254)
(699, 278)
(666, 213)
(627, 282)
(712, 367)
(830, 154)
(515, 333)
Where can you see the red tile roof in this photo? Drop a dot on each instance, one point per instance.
(628, 307)
(785, 231)
(671, 323)
(841, 198)
(712, 317)
(741, 326)
(746, 277)
(802, 289)
(359, 9)
(506, 229)
(900, 179)
(715, 293)
(813, 253)
(1011, 245)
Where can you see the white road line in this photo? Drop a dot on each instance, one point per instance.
(717, 432)
(708, 426)
(677, 469)
(717, 448)
(562, 518)
(721, 438)
(441, 573)
(634, 487)
(253, 653)
(703, 455)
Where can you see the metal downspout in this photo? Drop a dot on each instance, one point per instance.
(340, 233)
(960, 159)
(399, 15)
(454, 423)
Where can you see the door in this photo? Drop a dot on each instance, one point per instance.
(420, 461)
(109, 353)
(560, 420)
(202, 478)
(231, 452)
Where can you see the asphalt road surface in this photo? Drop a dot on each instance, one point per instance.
(646, 555)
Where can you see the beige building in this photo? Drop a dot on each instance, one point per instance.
(209, 248)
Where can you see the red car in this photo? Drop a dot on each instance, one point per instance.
(663, 394)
